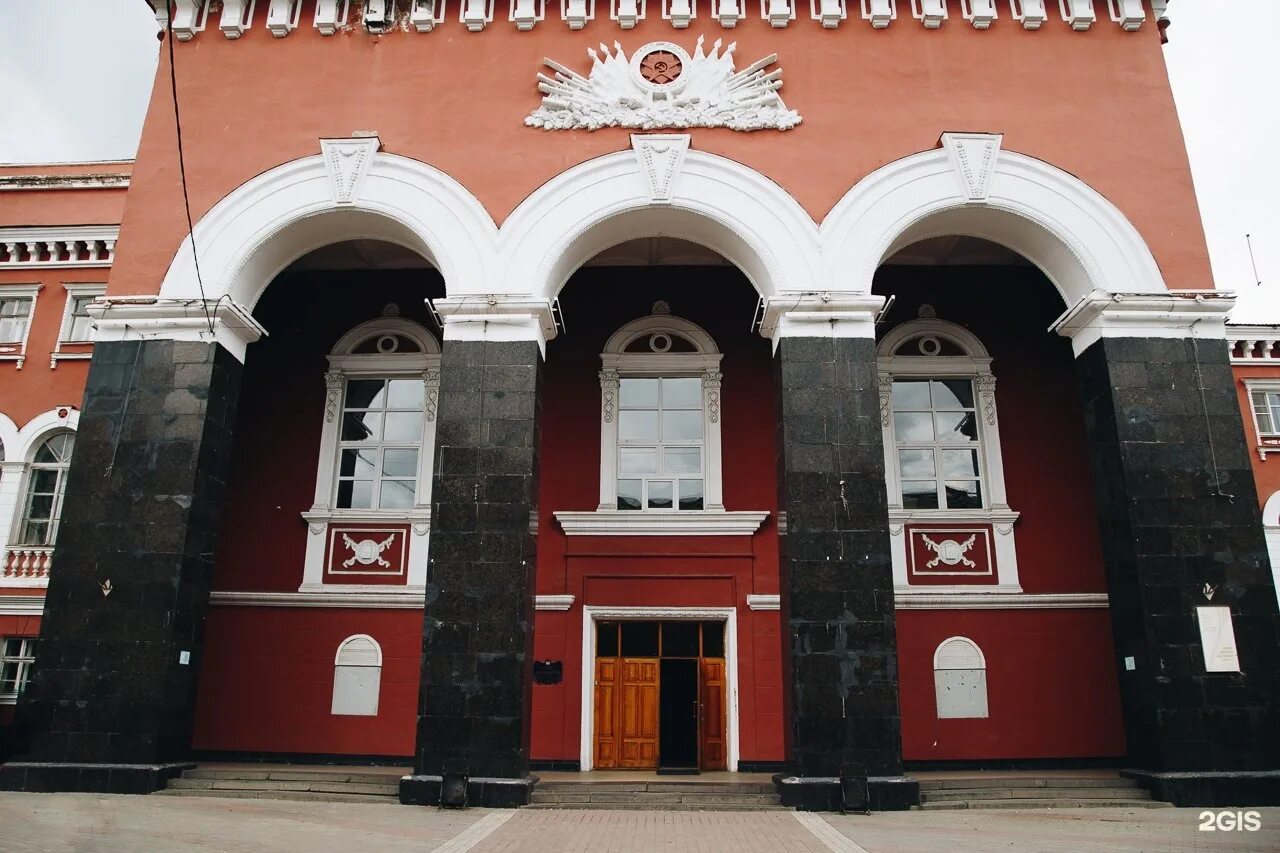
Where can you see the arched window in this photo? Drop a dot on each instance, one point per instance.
(357, 677)
(960, 679)
(660, 417)
(46, 485)
(948, 516)
(1271, 530)
(372, 507)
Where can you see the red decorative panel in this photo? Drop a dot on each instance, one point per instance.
(367, 553)
(956, 553)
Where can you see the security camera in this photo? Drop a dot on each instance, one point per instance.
(379, 15)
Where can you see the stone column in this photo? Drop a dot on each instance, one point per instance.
(1181, 529)
(839, 650)
(112, 699)
(477, 648)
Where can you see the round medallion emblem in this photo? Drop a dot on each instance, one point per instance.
(660, 67)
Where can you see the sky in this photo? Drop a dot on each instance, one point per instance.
(74, 95)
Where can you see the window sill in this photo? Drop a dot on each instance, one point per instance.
(14, 354)
(418, 517)
(1002, 516)
(671, 523)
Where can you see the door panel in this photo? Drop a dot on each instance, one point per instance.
(715, 755)
(606, 713)
(639, 713)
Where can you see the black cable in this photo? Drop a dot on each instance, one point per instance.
(182, 168)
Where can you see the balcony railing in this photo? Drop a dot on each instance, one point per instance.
(26, 563)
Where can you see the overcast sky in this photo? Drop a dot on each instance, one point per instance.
(80, 74)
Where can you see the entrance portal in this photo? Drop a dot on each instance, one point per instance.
(660, 696)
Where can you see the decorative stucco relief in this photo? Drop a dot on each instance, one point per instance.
(662, 86)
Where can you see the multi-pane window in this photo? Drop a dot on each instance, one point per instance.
(81, 325)
(1266, 413)
(16, 656)
(660, 443)
(936, 432)
(379, 444)
(15, 313)
(45, 489)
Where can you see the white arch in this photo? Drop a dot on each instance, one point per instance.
(716, 202)
(41, 427)
(416, 332)
(954, 333)
(8, 439)
(959, 653)
(1271, 511)
(268, 222)
(358, 650)
(647, 325)
(1079, 239)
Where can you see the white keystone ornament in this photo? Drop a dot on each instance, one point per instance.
(662, 86)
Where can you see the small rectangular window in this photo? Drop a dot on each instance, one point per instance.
(1266, 413)
(15, 314)
(81, 326)
(17, 654)
(639, 639)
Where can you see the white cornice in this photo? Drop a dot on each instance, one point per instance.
(553, 602)
(650, 523)
(97, 181)
(128, 318)
(21, 605)
(405, 598)
(496, 318)
(998, 601)
(820, 315)
(1175, 314)
(764, 602)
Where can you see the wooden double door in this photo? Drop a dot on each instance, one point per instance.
(660, 696)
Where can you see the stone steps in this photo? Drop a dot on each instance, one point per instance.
(1063, 803)
(1033, 793)
(337, 786)
(656, 795)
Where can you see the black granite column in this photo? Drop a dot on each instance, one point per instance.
(839, 642)
(1178, 511)
(112, 698)
(477, 647)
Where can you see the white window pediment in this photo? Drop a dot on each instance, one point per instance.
(372, 505)
(943, 468)
(660, 449)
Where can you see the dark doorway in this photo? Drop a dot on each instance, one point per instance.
(678, 734)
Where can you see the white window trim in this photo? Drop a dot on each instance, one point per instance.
(1269, 443)
(74, 289)
(22, 291)
(19, 449)
(344, 365)
(618, 364)
(25, 663)
(995, 511)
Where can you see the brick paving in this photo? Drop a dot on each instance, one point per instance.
(92, 822)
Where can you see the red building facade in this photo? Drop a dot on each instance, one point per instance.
(638, 414)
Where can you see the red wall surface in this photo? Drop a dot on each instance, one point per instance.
(1266, 473)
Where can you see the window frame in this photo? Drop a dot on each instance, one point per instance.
(25, 659)
(81, 348)
(1264, 442)
(17, 350)
(618, 364)
(972, 364)
(27, 496)
(346, 364)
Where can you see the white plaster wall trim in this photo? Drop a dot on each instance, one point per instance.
(655, 523)
(1271, 511)
(1078, 238)
(408, 598)
(1169, 314)
(94, 181)
(560, 603)
(717, 202)
(21, 605)
(65, 245)
(36, 430)
(764, 602)
(592, 613)
(8, 439)
(265, 224)
(964, 600)
(132, 318)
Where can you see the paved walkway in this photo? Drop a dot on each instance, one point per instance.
(93, 823)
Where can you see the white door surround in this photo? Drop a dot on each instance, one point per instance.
(593, 614)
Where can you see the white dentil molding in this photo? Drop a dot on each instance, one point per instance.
(130, 318)
(1173, 314)
(24, 247)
